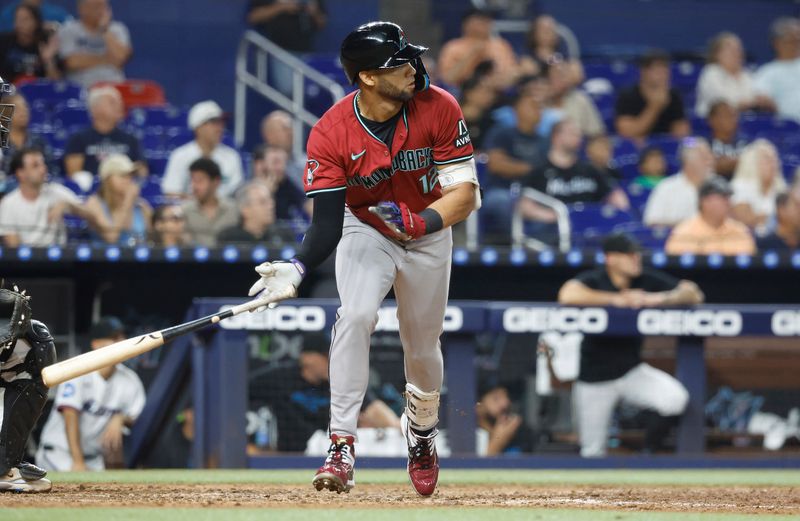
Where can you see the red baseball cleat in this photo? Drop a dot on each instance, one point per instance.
(423, 462)
(336, 474)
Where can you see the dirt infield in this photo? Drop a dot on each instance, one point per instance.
(735, 499)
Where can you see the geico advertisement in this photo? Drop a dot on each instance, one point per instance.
(312, 318)
(668, 322)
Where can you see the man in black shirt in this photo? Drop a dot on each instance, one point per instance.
(86, 148)
(652, 106)
(611, 369)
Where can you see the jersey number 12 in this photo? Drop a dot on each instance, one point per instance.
(429, 180)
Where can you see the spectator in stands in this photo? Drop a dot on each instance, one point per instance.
(476, 100)
(121, 216)
(86, 148)
(477, 44)
(786, 234)
(545, 47)
(500, 429)
(277, 131)
(29, 51)
(712, 230)
(52, 14)
(257, 218)
(652, 168)
(95, 47)
(675, 198)
(298, 393)
(537, 86)
(572, 102)
(207, 122)
(292, 25)
(207, 213)
(270, 167)
(756, 183)
(652, 106)
(779, 78)
(514, 152)
(725, 78)
(169, 226)
(85, 428)
(600, 153)
(565, 177)
(33, 213)
(611, 368)
(20, 136)
(726, 141)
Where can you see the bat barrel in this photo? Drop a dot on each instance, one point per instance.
(105, 356)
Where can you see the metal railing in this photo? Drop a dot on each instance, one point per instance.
(518, 237)
(256, 52)
(523, 26)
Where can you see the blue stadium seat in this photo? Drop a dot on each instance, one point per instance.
(157, 164)
(151, 190)
(51, 92)
(625, 157)
(649, 238)
(158, 117)
(637, 195)
(592, 220)
(69, 117)
(685, 75)
(621, 74)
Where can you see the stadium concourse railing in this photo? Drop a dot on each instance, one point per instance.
(219, 363)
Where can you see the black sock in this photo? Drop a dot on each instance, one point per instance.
(421, 433)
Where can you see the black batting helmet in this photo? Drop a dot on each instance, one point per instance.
(6, 113)
(381, 45)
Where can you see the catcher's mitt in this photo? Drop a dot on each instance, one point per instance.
(15, 316)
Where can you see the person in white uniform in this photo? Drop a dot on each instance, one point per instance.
(90, 412)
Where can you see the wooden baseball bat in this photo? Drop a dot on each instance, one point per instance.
(126, 349)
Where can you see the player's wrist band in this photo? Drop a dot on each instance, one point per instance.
(433, 221)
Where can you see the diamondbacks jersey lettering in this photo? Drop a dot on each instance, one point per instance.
(343, 154)
(97, 399)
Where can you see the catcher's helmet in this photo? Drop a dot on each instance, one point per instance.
(6, 113)
(381, 45)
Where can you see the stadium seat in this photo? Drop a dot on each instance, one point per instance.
(625, 157)
(139, 93)
(596, 219)
(70, 117)
(620, 73)
(151, 190)
(163, 117)
(157, 164)
(51, 92)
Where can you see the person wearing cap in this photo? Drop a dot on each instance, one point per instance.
(500, 429)
(675, 197)
(460, 57)
(652, 106)
(611, 369)
(85, 428)
(712, 230)
(120, 215)
(206, 120)
(86, 148)
(32, 214)
(298, 395)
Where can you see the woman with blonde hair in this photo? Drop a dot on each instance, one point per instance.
(725, 78)
(122, 217)
(757, 180)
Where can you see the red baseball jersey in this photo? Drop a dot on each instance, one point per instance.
(344, 155)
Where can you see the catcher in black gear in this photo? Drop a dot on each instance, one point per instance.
(26, 346)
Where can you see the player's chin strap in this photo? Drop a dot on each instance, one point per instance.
(421, 79)
(422, 408)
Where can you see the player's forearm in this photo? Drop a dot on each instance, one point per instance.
(456, 203)
(687, 293)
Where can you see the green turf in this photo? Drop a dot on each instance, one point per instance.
(523, 477)
(405, 514)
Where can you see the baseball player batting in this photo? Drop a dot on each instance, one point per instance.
(390, 169)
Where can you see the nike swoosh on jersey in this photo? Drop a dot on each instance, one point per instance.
(356, 156)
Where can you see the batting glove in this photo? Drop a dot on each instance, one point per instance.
(279, 280)
(400, 219)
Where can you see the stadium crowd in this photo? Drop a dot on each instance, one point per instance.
(542, 121)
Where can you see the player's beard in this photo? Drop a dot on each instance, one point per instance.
(388, 90)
